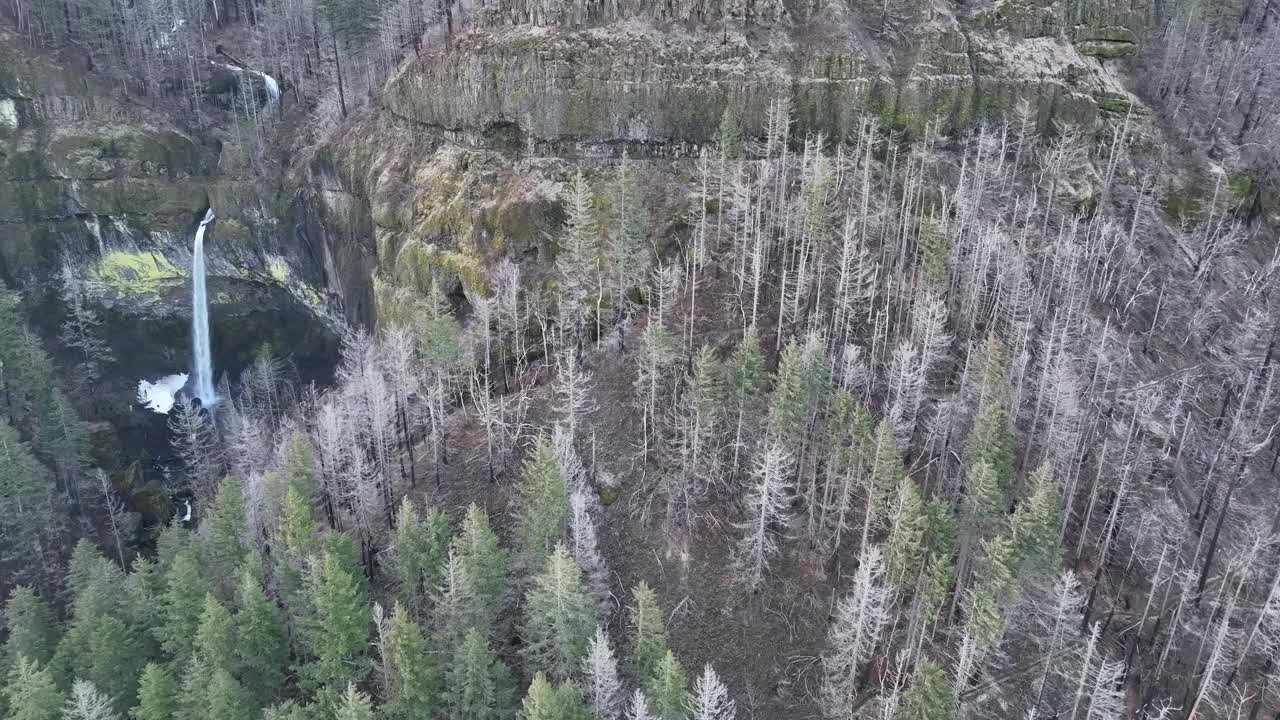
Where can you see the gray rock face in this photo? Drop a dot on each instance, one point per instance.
(632, 84)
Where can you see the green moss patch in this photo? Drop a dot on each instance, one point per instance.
(138, 272)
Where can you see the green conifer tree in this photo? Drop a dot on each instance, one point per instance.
(417, 559)
(144, 589)
(414, 683)
(1034, 525)
(479, 686)
(30, 630)
(337, 634)
(297, 527)
(261, 649)
(182, 604)
(928, 697)
(546, 702)
(353, 705)
(577, 256)
(648, 632)
(908, 525)
(668, 688)
(935, 251)
(27, 520)
(939, 570)
(225, 699)
(991, 440)
(157, 694)
(625, 253)
(213, 643)
(544, 505)
(225, 531)
(299, 467)
(31, 693)
(482, 567)
(987, 599)
(560, 618)
(789, 405)
(100, 645)
(730, 133)
(886, 474)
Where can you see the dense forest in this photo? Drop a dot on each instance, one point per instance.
(962, 415)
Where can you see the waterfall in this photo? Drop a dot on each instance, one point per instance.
(269, 83)
(273, 88)
(202, 365)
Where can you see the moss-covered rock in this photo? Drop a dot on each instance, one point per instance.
(1106, 49)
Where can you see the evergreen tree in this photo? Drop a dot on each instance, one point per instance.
(730, 133)
(479, 686)
(418, 554)
(261, 648)
(289, 710)
(648, 632)
(171, 541)
(337, 634)
(297, 528)
(929, 695)
(544, 507)
(157, 694)
(62, 438)
(560, 618)
(225, 535)
(886, 474)
(935, 251)
(905, 550)
(991, 441)
(295, 534)
(412, 678)
(31, 693)
(30, 630)
(213, 636)
(299, 467)
(1034, 525)
(628, 231)
(545, 702)
(988, 598)
(115, 661)
(353, 705)
(26, 514)
(182, 604)
(224, 699)
(668, 689)
(939, 569)
(482, 573)
(696, 429)
(144, 589)
(100, 646)
(789, 405)
(577, 258)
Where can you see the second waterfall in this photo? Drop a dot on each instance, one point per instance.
(202, 363)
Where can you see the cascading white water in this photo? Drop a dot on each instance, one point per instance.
(273, 88)
(202, 367)
(269, 83)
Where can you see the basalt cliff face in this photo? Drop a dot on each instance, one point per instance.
(458, 160)
(92, 178)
